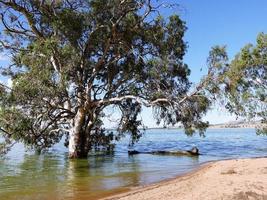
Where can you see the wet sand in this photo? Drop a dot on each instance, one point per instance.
(223, 180)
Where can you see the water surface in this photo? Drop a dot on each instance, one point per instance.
(25, 175)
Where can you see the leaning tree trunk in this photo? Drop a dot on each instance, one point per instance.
(77, 137)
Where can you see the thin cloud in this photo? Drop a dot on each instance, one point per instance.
(9, 83)
(6, 82)
(3, 57)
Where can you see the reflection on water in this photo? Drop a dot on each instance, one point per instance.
(53, 176)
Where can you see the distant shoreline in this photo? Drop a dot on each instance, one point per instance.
(226, 179)
(235, 124)
(210, 127)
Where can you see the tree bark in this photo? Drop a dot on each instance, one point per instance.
(77, 137)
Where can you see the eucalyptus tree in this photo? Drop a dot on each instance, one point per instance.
(241, 83)
(72, 60)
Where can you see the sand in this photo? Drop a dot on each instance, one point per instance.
(229, 179)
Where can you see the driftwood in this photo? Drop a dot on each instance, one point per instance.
(193, 152)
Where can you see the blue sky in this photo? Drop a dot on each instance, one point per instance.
(214, 22)
(233, 23)
(228, 22)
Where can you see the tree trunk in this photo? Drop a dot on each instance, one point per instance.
(77, 138)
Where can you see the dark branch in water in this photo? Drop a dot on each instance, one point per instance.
(193, 152)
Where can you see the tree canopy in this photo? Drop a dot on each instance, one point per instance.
(241, 83)
(70, 60)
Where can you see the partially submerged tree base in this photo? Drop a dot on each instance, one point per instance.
(73, 60)
(76, 155)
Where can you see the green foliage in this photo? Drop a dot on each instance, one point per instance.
(241, 84)
(73, 59)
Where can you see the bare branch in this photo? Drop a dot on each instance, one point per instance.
(5, 86)
(26, 13)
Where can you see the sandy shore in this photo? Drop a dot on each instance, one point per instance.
(244, 179)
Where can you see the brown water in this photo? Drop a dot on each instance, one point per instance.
(26, 176)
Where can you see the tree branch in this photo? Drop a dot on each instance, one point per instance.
(5, 86)
(26, 13)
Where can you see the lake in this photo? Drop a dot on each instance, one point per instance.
(25, 175)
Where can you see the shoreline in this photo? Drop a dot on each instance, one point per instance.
(239, 178)
(179, 128)
(142, 188)
(210, 127)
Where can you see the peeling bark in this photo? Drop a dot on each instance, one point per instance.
(77, 137)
